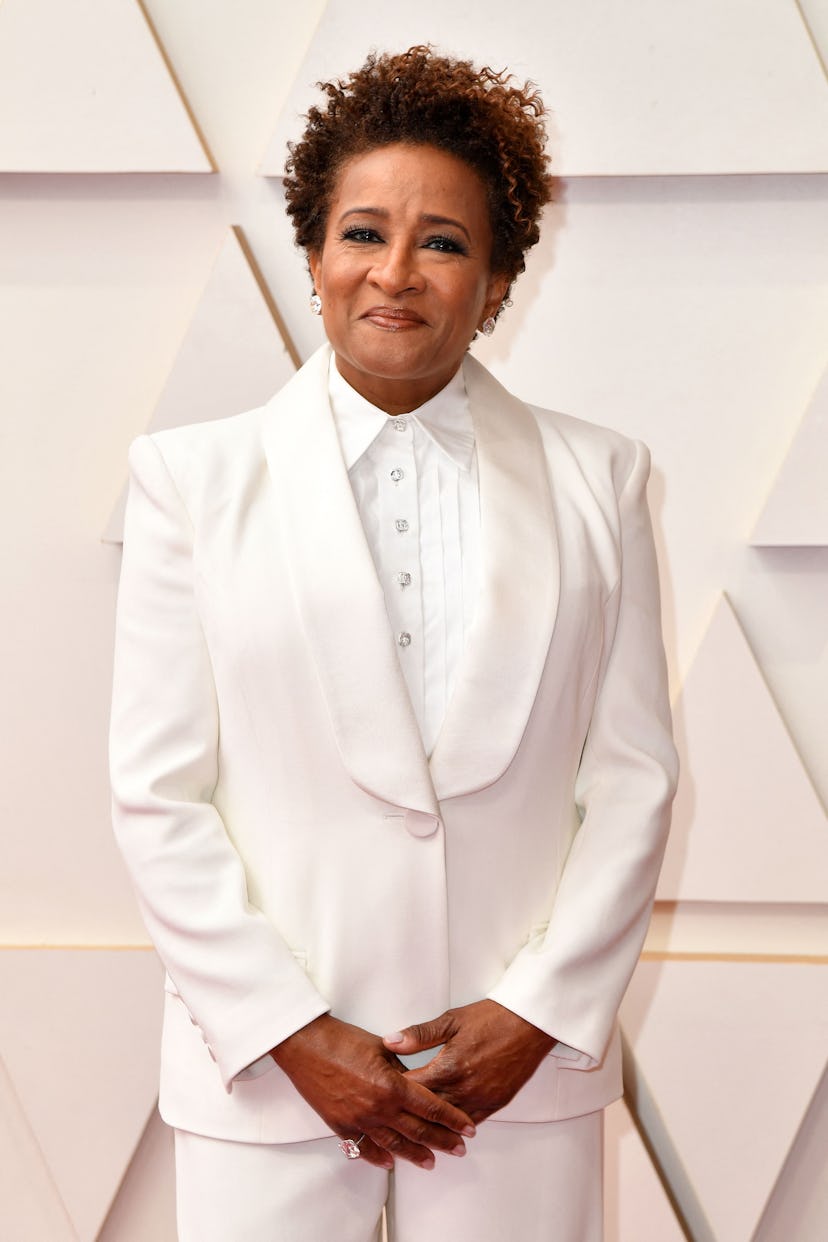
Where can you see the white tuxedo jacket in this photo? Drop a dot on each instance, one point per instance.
(293, 848)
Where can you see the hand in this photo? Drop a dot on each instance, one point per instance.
(489, 1054)
(358, 1087)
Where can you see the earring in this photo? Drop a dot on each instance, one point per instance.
(488, 326)
(316, 303)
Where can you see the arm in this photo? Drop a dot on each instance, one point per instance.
(568, 984)
(236, 975)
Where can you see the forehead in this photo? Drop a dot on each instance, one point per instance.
(402, 176)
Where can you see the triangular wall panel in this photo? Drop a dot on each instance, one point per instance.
(636, 1209)
(796, 511)
(798, 1206)
(144, 1208)
(747, 822)
(31, 1209)
(84, 88)
(815, 15)
(234, 356)
(709, 87)
(77, 1030)
(732, 1053)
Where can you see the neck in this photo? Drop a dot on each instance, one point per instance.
(393, 396)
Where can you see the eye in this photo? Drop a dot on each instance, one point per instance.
(445, 244)
(360, 233)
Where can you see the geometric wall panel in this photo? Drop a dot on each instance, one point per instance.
(144, 1207)
(79, 1033)
(732, 1053)
(31, 1209)
(747, 822)
(815, 15)
(636, 1209)
(234, 356)
(84, 88)
(702, 87)
(796, 511)
(798, 1206)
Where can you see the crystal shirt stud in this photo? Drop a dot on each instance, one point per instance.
(397, 475)
(403, 578)
(404, 639)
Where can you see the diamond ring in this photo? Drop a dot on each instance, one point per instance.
(350, 1147)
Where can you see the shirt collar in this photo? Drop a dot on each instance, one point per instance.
(446, 419)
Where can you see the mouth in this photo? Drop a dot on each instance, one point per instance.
(393, 318)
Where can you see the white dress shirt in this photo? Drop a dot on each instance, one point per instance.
(414, 479)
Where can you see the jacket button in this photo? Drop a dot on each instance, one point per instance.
(421, 823)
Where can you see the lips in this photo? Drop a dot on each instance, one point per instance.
(393, 318)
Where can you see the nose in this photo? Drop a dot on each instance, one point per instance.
(395, 270)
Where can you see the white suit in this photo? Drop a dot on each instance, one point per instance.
(293, 848)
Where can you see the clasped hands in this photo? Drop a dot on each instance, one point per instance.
(358, 1085)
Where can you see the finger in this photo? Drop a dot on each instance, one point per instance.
(373, 1154)
(437, 1075)
(474, 1111)
(402, 1148)
(423, 1103)
(421, 1035)
(446, 1089)
(437, 1138)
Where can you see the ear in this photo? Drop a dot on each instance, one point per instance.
(497, 288)
(315, 266)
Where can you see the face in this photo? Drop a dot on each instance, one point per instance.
(404, 272)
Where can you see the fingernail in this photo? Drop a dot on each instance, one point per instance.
(469, 1131)
(396, 1037)
(428, 1164)
(459, 1150)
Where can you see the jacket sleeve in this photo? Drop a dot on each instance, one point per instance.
(570, 982)
(236, 976)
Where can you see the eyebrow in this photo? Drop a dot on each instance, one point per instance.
(426, 218)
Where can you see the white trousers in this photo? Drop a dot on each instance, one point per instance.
(533, 1182)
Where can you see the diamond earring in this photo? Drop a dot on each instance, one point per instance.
(316, 303)
(488, 326)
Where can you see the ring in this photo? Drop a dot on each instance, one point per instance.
(350, 1147)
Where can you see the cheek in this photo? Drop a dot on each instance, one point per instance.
(469, 300)
(338, 280)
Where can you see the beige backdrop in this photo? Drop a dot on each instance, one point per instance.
(680, 294)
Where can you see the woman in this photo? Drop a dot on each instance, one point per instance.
(390, 746)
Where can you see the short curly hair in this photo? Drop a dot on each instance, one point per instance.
(421, 98)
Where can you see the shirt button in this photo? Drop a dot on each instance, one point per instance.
(399, 423)
(404, 639)
(401, 525)
(397, 474)
(403, 578)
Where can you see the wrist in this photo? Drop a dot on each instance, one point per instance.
(285, 1051)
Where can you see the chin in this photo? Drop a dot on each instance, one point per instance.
(396, 364)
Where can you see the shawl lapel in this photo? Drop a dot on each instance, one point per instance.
(339, 596)
(508, 642)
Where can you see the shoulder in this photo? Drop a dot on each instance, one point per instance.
(200, 462)
(210, 458)
(598, 451)
(200, 443)
(601, 456)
